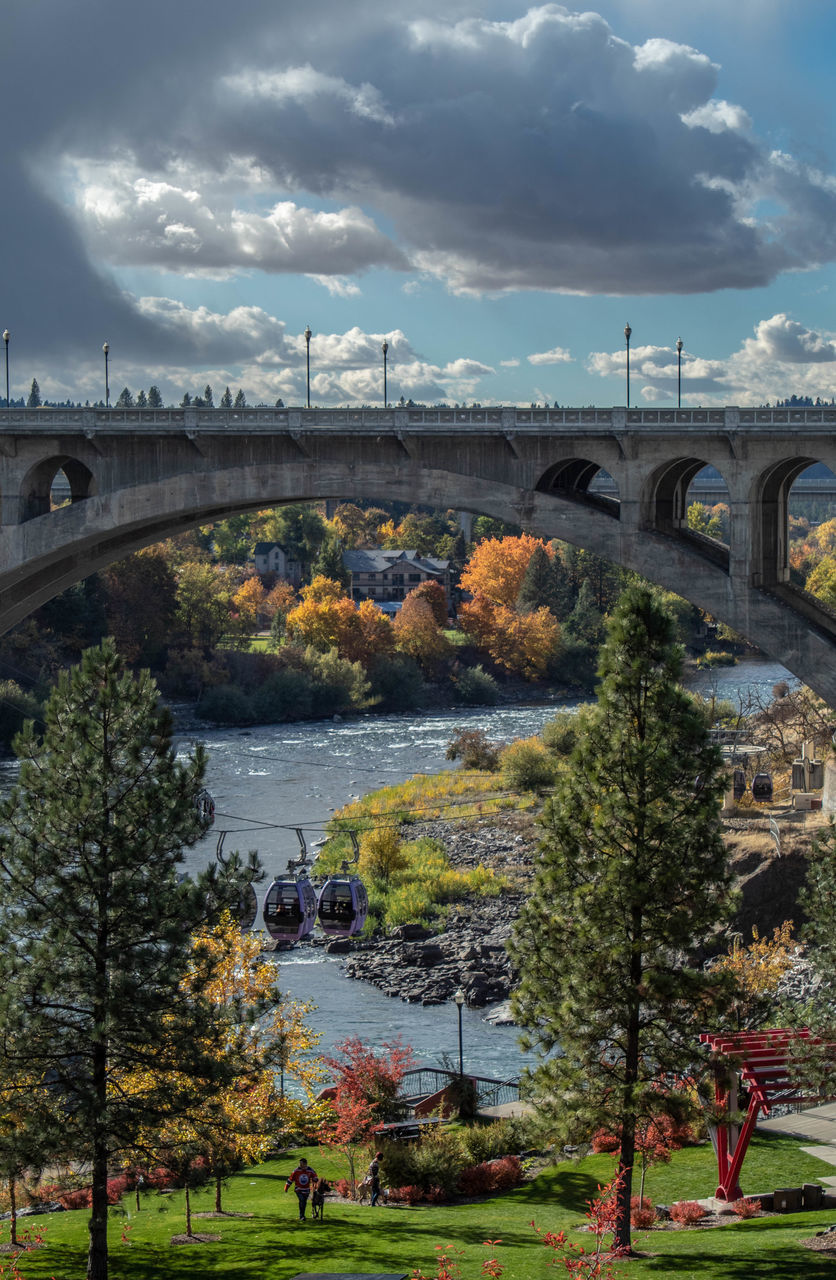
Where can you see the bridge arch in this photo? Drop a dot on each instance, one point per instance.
(571, 479)
(664, 505)
(770, 496)
(36, 486)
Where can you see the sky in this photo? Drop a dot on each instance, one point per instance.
(493, 188)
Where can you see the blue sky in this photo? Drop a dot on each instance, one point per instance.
(495, 188)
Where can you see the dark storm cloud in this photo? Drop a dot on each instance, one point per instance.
(543, 152)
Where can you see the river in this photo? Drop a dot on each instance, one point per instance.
(299, 774)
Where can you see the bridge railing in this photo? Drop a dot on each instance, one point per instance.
(422, 1082)
(400, 418)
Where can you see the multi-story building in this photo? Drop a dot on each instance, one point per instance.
(390, 575)
(270, 557)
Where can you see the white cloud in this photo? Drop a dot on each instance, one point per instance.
(782, 359)
(510, 364)
(133, 220)
(558, 355)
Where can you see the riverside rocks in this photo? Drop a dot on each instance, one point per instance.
(422, 967)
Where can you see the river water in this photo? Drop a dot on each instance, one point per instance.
(298, 774)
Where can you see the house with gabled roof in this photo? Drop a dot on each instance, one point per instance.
(389, 575)
(271, 557)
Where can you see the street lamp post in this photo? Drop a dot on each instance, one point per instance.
(627, 332)
(679, 346)
(308, 336)
(459, 999)
(385, 350)
(6, 336)
(106, 350)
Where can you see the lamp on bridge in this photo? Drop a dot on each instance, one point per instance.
(385, 350)
(679, 345)
(106, 350)
(308, 337)
(6, 336)
(459, 1001)
(627, 332)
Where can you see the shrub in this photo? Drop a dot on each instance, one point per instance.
(397, 683)
(343, 1188)
(338, 685)
(560, 734)
(476, 687)
(16, 706)
(605, 1142)
(744, 1208)
(285, 695)
(80, 1198)
(381, 853)
(687, 1213)
(226, 704)
(474, 749)
(116, 1188)
(526, 765)
(716, 658)
(642, 1213)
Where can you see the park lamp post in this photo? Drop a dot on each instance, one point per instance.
(385, 350)
(627, 332)
(6, 336)
(679, 345)
(459, 1001)
(106, 350)
(308, 337)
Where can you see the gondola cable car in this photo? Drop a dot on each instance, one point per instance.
(290, 904)
(343, 901)
(762, 789)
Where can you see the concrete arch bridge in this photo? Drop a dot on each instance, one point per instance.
(139, 475)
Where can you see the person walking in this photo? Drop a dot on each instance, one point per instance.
(303, 1178)
(374, 1176)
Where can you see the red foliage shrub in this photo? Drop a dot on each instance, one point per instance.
(342, 1186)
(474, 1181)
(746, 1208)
(116, 1188)
(80, 1198)
(410, 1194)
(687, 1213)
(159, 1177)
(642, 1213)
(603, 1141)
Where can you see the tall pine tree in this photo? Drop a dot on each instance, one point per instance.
(632, 873)
(95, 921)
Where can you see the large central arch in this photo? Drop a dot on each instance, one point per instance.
(49, 552)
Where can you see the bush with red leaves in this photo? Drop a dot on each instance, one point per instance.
(642, 1213)
(687, 1213)
(744, 1208)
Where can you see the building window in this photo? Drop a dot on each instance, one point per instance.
(415, 577)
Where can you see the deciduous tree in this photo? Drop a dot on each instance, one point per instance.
(632, 873)
(497, 566)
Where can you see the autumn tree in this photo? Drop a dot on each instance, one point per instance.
(418, 635)
(433, 593)
(366, 1087)
(497, 567)
(248, 601)
(632, 874)
(525, 644)
(203, 602)
(756, 970)
(95, 916)
(325, 617)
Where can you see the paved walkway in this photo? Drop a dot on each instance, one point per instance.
(817, 1125)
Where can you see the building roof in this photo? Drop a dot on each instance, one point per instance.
(264, 549)
(377, 560)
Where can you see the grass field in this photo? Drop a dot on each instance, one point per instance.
(272, 1244)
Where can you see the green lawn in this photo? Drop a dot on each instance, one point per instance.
(272, 1244)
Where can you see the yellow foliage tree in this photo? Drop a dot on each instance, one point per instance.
(381, 853)
(757, 970)
(325, 624)
(523, 643)
(418, 634)
(248, 600)
(264, 1034)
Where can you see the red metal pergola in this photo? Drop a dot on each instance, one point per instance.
(758, 1061)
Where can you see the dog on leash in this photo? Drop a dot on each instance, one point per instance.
(320, 1191)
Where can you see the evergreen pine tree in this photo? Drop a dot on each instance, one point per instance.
(141, 399)
(240, 400)
(226, 399)
(125, 400)
(632, 874)
(585, 624)
(186, 401)
(34, 401)
(329, 562)
(155, 400)
(95, 921)
(535, 588)
(208, 397)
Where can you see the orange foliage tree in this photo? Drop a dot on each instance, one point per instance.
(523, 643)
(497, 567)
(248, 600)
(418, 635)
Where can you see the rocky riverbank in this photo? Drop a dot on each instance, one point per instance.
(469, 951)
(426, 967)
